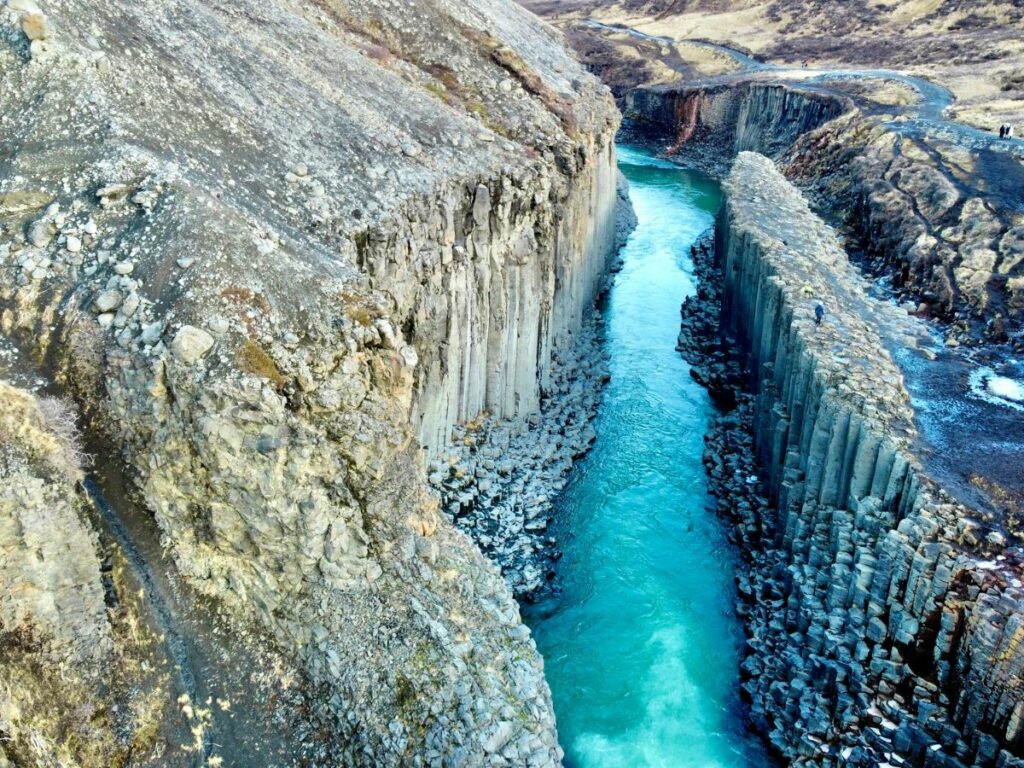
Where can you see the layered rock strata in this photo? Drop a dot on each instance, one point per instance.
(884, 616)
(705, 126)
(277, 250)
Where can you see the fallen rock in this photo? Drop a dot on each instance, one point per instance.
(35, 26)
(190, 344)
(107, 301)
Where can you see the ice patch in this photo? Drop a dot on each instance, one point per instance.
(988, 385)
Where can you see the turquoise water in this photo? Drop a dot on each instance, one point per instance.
(642, 646)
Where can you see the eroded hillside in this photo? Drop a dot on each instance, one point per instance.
(246, 236)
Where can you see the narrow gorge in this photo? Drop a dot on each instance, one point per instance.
(343, 419)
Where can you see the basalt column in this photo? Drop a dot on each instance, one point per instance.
(887, 621)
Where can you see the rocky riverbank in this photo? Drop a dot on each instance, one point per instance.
(498, 478)
(882, 615)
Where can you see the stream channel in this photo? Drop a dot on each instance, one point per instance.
(642, 645)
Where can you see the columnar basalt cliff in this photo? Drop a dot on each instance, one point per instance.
(275, 251)
(885, 617)
(707, 125)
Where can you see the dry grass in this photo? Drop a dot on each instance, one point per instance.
(973, 49)
(45, 428)
(60, 418)
(255, 360)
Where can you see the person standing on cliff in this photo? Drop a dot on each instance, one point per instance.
(1002, 131)
(819, 313)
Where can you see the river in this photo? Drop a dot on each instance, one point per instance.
(642, 645)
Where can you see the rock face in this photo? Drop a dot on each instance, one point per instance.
(66, 697)
(50, 569)
(290, 245)
(707, 126)
(885, 617)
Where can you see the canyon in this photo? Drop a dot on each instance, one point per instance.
(308, 313)
(881, 593)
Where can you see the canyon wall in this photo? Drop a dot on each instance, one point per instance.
(939, 221)
(492, 280)
(885, 618)
(706, 125)
(276, 251)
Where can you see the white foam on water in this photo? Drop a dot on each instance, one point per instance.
(1008, 389)
(663, 739)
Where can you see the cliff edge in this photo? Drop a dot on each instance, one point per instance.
(278, 250)
(884, 613)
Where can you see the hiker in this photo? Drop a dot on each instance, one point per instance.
(819, 313)
(1009, 131)
(1002, 131)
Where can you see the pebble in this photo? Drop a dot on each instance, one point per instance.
(107, 301)
(35, 26)
(41, 232)
(151, 333)
(131, 305)
(73, 244)
(124, 267)
(218, 325)
(111, 193)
